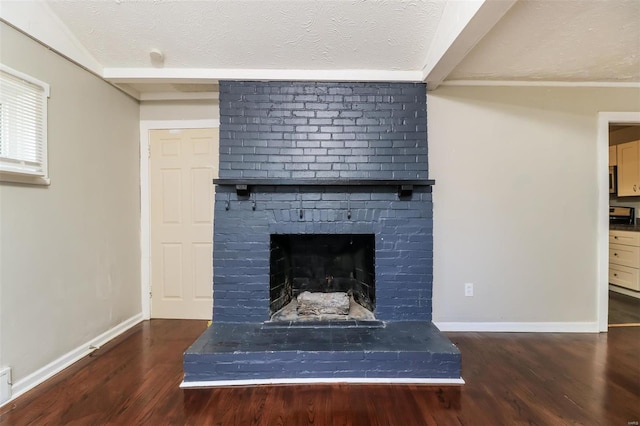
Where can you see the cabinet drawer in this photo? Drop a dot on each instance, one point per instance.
(624, 277)
(624, 255)
(625, 237)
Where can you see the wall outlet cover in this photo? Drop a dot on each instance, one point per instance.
(468, 289)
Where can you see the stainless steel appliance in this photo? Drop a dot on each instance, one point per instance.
(622, 215)
(613, 179)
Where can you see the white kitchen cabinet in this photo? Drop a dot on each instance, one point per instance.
(624, 259)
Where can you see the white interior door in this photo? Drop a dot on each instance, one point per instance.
(182, 164)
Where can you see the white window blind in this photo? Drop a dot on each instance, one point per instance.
(23, 124)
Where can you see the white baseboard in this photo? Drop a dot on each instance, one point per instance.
(53, 368)
(314, 380)
(520, 327)
(624, 291)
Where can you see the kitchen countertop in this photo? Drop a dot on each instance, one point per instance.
(622, 227)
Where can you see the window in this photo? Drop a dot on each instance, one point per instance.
(23, 127)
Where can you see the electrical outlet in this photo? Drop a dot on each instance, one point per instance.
(5, 385)
(468, 289)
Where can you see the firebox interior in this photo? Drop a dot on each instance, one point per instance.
(322, 263)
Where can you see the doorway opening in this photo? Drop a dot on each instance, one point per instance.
(605, 119)
(147, 128)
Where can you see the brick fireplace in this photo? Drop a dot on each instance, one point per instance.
(323, 187)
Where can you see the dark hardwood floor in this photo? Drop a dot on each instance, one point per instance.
(512, 378)
(623, 309)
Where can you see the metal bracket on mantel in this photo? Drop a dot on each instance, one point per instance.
(405, 190)
(243, 186)
(242, 190)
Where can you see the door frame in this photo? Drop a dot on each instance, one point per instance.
(145, 219)
(604, 119)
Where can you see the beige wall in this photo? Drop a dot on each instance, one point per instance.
(70, 252)
(515, 201)
(180, 110)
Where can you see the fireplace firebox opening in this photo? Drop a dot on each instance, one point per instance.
(322, 277)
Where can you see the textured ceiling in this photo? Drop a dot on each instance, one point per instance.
(250, 34)
(537, 40)
(559, 40)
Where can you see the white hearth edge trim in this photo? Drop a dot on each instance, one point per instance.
(329, 380)
(519, 327)
(37, 377)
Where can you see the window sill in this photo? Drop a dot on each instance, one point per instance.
(24, 179)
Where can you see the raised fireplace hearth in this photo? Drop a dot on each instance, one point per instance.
(322, 238)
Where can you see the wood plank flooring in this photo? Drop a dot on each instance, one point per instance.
(512, 378)
(623, 309)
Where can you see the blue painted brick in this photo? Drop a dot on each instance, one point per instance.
(319, 136)
(296, 121)
(329, 159)
(333, 144)
(327, 114)
(345, 144)
(296, 166)
(340, 106)
(320, 166)
(267, 151)
(320, 121)
(327, 174)
(303, 174)
(331, 129)
(308, 144)
(316, 106)
(343, 136)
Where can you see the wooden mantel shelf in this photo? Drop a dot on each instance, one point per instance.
(405, 186)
